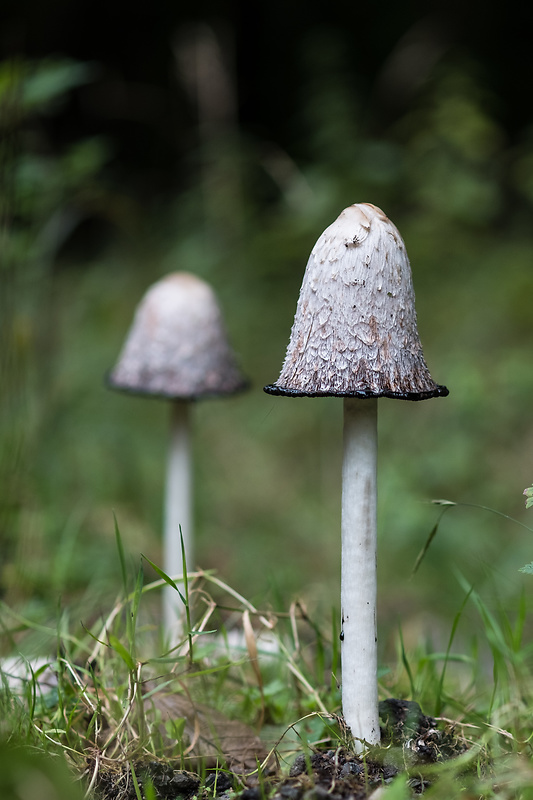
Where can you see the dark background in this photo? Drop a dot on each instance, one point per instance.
(385, 51)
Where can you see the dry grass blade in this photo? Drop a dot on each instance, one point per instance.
(251, 646)
(270, 624)
(76, 678)
(134, 683)
(184, 650)
(94, 775)
(121, 604)
(307, 686)
(294, 607)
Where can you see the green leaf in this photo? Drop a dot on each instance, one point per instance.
(119, 648)
(96, 639)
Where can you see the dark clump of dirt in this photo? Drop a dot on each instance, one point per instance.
(420, 739)
(409, 740)
(167, 782)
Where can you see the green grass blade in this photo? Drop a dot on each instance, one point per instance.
(406, 664)
(518, 632)
(184, 565)
(165, 577)
(121, 555)
(335, 650)
(425, 548)
(186, 599)
(135, 604)
(138, 793)
(438, 700)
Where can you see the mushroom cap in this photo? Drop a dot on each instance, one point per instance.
(355, 331)
(177, 345)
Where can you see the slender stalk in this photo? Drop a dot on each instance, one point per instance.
(358, 571)
(177, 510)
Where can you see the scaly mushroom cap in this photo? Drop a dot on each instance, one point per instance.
(177, 346)
(354, 331)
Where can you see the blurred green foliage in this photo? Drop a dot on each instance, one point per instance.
(267, 470)
(26, 773)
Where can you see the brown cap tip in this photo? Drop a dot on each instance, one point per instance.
(355, 331)
(177, 346)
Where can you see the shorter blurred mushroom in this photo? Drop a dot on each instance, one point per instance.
(177, 348)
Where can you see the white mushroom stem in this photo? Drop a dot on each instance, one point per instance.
(358, 571)
(178, 512)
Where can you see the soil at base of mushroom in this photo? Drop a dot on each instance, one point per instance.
(409, 739)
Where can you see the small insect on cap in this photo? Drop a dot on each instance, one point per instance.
(177, 345)
(355, 331)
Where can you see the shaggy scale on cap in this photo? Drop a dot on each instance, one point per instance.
(177, 346)
(355, 331)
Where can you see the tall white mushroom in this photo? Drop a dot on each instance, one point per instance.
(355, 336)
(177, 348)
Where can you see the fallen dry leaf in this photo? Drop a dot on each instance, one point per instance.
(208, 735)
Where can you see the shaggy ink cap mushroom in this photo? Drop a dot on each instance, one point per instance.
(355, 336)
(355, 332)
(177, 347)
